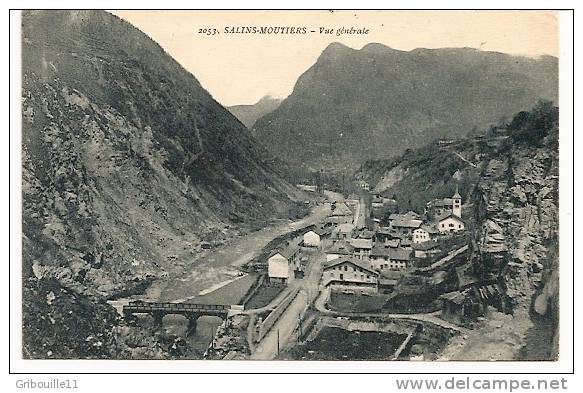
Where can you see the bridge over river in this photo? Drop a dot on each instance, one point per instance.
(192, 311)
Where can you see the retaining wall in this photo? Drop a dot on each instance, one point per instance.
(273, 316)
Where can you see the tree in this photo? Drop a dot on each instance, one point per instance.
(532, 127)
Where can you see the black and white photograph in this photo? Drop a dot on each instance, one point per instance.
(293, 186)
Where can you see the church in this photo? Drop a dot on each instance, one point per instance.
(440, 207)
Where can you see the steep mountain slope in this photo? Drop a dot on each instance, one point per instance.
(352, 105)
(248, 114)
(128, 163)
(508, 181)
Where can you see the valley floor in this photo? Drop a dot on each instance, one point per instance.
(221, 264)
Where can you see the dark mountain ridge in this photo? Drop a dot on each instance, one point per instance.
(128, 165)
(352, 105)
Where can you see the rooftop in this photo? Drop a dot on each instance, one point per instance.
(288, 251)
(399, 254)
(361, 243)
(366, 234)
(457, 297)
(321, 231)
(406, 223)
(440, 202)
(342, 248)
(410, 215)
(406, 242)
(380, 251)
(334, 219)
(448, 215)
(393, 243)
(353, 261)
(431, 229)
(345, 228)
(426, 246)
(341, 210)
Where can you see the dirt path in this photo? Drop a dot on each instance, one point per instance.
(361, 213)
(282, 333)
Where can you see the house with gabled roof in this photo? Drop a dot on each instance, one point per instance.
(383, 258)
(384, 234)
(405, 224)
(350, 274)
(406, 244)
(283, 264)
(340, 249)
(465, 305)
(425, 233)
(449, 222)
(362, 248)
(366, 234)
(315, 237)
(343, 232)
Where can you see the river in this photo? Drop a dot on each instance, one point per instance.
(220, 267)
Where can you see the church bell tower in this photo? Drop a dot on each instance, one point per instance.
(457, 203)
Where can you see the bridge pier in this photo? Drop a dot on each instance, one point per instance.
(157, 315)
(129, 316)
(190, 310)
(192, 321)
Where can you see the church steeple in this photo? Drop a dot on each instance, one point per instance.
(457, 193)
(457, 203)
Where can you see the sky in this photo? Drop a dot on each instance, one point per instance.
(242, 68)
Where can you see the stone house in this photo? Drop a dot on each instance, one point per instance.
(388, 258)
(449, 222)
(284, 265)
(425, 233)
(316, 237)
(349, 274)
(362, 248)
(340, 249)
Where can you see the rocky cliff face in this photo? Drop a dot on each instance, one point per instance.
(510, 196)
(353, 105)
(128, 164)
(517, 194)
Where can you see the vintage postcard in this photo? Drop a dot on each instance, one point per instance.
(291, 185)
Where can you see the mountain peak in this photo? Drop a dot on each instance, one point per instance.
(383, 101)
(248, 114)
(376, 47)
(336, 48)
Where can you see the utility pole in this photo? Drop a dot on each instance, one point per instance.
(299, 327)
(212, 337)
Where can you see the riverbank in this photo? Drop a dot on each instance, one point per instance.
(222, 264)
(215, 278)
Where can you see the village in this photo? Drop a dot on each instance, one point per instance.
(405, 273)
